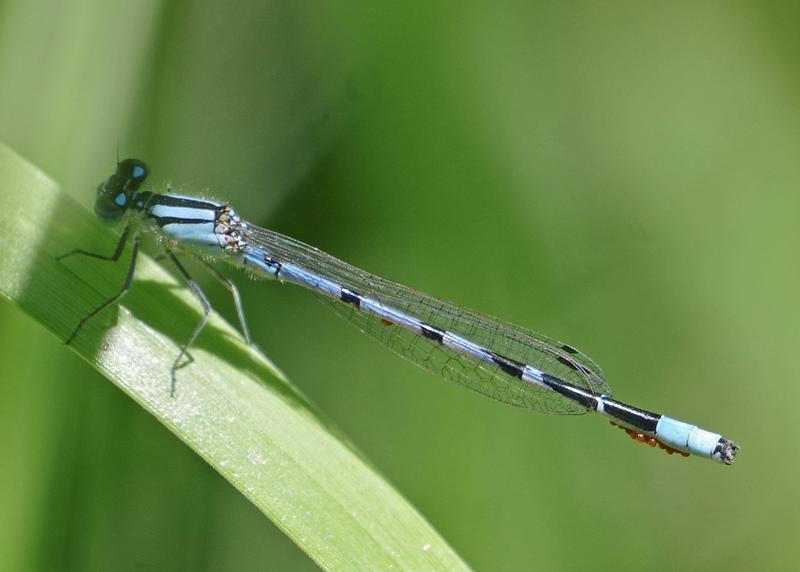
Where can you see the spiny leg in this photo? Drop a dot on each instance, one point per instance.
(237, 300)
(233, 289)
(113, 258)
(206, 311)
(128, 278)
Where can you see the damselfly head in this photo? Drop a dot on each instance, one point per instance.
(116, 194)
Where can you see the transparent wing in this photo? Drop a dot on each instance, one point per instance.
(545, 354)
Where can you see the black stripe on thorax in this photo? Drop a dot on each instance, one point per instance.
(350, 297)
(576, 394)
(508, 365)
(632, 416)
(165, 220)
(173, 201)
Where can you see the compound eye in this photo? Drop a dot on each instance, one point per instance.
(110, 209)
(133, 170)
(139, 172)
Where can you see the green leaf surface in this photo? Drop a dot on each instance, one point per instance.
(233, 407)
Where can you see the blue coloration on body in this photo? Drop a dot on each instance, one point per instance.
(487, 355)
(391, 315)
(299, 275)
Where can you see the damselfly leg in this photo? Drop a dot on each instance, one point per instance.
(198, 292)
(113, 258)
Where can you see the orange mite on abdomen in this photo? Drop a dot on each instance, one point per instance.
(648, 440)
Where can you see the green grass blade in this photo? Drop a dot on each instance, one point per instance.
(233, 407)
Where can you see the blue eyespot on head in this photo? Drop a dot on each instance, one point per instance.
(114, 195)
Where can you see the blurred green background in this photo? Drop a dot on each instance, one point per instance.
(619, 177)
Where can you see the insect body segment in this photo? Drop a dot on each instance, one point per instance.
(489, 356)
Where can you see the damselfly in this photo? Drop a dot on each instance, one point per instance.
(497, 359)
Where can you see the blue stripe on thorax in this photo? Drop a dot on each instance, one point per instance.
(185, 219)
